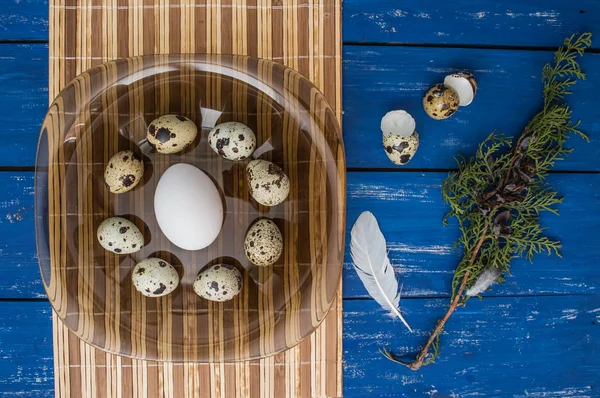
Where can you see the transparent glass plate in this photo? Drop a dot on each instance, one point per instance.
(107, 109)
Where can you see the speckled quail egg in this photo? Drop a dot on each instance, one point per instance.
(263, 244)
(119, 235)
(400, 149)
(171, 133)
(123, 172)
(465, 85)
(232, 140)
(267, 183)
(440, 101)
(220, 282)
(400, 140)
(154, 277)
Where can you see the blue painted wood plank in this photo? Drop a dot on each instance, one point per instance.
(509, 22)
(18, 256)
(23, 101)
(497, 347)
(526, 346)
(376, 80)
(506, 23)
(409, 210)
(380, 79)
(23, 19)
(27, 366)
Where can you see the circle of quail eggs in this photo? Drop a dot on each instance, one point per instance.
(232, 140)
(401, 149)
(119, 235)
(219, 282)
(440, 101)
(154, 277)
(171, 133)
(263, 243)
(267, 183)
(123, 172)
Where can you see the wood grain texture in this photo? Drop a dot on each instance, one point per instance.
(509, 94)
(23, 100)
(17, 246)
(311, 44)
(26, 350)
(465, 22)
(23, 20)
(391, 78)
(530, 335)
(469, 22)
(497, 347)
(409, 209)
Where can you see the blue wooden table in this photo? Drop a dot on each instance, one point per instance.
(536, 335)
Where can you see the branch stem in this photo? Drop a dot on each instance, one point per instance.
(420, 359)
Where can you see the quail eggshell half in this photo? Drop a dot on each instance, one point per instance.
(171, 133)
(398, 122)
(465, 85)
(440, 102)
(154, 277)
(188, 207)
(263, 244)
(232, 140)
(220, 282)
(123, 172)
(267, 182)
(400, 149)
(119, 235)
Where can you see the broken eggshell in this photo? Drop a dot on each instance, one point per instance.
(401, 149)
(400, 140)
(465, 85)
(398, 122)
(440, 101)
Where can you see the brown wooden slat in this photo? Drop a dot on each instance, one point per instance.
(302, 34)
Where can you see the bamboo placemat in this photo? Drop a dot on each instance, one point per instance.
(302, 34)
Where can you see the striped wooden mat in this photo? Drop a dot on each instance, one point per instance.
(302, 34)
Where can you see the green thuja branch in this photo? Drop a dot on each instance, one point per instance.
(497, 195)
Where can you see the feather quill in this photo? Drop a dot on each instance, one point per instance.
(369, 254)
(484, 281)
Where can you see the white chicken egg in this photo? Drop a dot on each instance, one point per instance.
(267, 182)
(188, 207)
(232, 140)
(154, 277)
(119, 235)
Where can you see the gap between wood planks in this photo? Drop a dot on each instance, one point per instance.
(31, 169)
(440, 297)
(592, 50)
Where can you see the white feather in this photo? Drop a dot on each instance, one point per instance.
(485, 280)
(369, 254)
